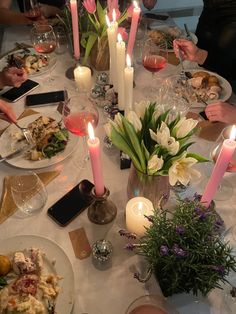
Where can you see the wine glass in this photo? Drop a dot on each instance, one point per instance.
(28, 193)
(44, 41)
(77, 112)
(149, 4)
(32, 9)
(154, 58)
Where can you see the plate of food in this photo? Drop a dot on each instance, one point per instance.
(36, 276)
(53, 143)
(168, 34)
(35, 64)
(202, 87)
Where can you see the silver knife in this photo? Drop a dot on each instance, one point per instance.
(16, 152)
(187, 32)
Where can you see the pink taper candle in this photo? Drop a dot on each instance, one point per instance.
(133, 28)
(222, 162)
(95, 157)
(75, 28)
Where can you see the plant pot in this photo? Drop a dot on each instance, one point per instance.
(99, 55)
(151, 187)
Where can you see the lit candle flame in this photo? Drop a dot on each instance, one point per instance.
(108, 21)
(135, 5)
(119, 38)
(114, 15)
(233, 133)
(91, 131)
(128, 61)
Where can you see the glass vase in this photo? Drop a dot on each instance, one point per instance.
(155, 188)
(99, 55)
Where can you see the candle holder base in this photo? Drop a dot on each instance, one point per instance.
(70, 73)
(102, 211)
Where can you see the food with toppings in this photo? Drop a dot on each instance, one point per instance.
(28, 60)
(49, 136)
(30, 289)
(158, 36)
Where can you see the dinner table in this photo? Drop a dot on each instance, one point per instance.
(109, 289)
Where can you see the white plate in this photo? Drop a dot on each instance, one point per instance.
(225, 85)
(62, 267)
(166, 29)
(19, 161)
(51, 59)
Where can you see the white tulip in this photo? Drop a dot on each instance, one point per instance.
(118, 123)
(108, 129)
(172, 146)
(155, 164)
(140, 108)
(182, 171)
(134, 120)
(184, 126)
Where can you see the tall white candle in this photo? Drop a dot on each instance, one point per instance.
(83, 78)
(128, 78)
(136, 208)
(112, 36)
(120, 57)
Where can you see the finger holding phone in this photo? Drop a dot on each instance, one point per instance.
(12, 77)
(9, 114)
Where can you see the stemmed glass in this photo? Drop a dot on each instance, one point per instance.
(154, 58)
(44, 41)
(77, 112)
(32, 9)
(149, 4)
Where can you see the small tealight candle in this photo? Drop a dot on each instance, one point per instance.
(83, 78)
(136, 210)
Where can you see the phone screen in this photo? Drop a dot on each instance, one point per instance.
(45, 98)
(71, 204)
(160, 17)
(16, 93)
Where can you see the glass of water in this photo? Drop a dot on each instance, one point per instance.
(28, 192)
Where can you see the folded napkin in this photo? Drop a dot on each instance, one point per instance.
(7, 205)
(209, 131)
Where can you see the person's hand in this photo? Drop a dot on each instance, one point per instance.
(189, 51)
(6, 108)
(12, 77)
(49, 10)
(221, 111)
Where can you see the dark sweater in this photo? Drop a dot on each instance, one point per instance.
(55, 3)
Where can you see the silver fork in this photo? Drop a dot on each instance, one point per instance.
(26, 132)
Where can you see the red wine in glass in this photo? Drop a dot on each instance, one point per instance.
(45, 48)
(154, 63)
(32, 10)
(77, 123)
(149, 4)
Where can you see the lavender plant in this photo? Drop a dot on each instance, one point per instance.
(183, 249)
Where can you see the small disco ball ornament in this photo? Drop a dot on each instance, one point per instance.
(102, 250)
(103, 78)
(97, 91)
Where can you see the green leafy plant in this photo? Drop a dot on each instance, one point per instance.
(156, 144)
(183, 249)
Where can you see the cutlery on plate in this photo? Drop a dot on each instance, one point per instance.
(187, 32)
(16, 152)
(26, 132)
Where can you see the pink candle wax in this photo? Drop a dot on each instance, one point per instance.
(95, 157)
(75, 28)
(222, 162)
(133, 28)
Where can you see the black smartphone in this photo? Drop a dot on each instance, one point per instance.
(42, 99)
(16, 93)
(71, 204)
(203, 115)
(160, 17)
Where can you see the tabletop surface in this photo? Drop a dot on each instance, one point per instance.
(111, 290)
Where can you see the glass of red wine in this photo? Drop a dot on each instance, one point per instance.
(44, 42)
(154, 59)
(32, 9)
(149, 4)
(77, 112)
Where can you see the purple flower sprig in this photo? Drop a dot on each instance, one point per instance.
(127, 234)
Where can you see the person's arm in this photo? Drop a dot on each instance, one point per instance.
(9, 17)
(221, 111)
(7, 109)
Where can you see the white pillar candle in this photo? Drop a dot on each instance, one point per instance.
(120, 57)
(112, 36)
(136, 208)
(128, 78)
(83, 78)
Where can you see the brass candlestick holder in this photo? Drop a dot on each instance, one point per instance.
(101, 211)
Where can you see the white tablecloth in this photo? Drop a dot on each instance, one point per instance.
(111, 290)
